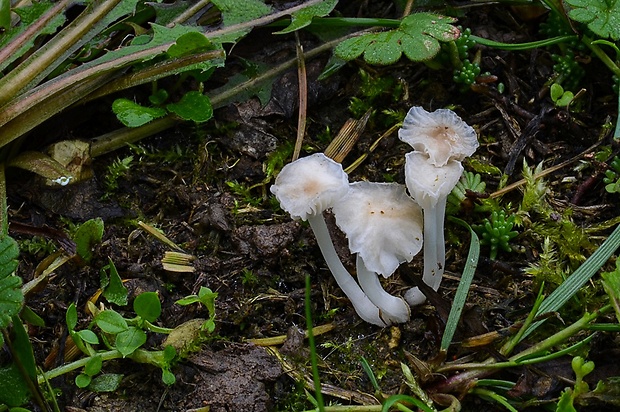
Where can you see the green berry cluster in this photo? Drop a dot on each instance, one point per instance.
(568, 69)
(464, 43)
(497, 232)
(554, 26)
(467, 74)
(612, 176)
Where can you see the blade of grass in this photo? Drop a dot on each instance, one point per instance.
(313, 357)
(463, 289)
(574, 282)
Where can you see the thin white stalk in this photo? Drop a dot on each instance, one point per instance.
(392, 309)
(440, 215)
(362, 304)
(431, 238)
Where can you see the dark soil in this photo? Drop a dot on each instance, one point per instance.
(256, 258)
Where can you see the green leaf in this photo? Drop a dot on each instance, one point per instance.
(130, 340)
(13, 389)
(88, 336)
(107, 382)
(611, 284)
(71, 317)
(28, 315)
(188, 300)
(303, 17)
(115, 292)
(168, 377)
(239, 11)
(193, 106)
(147, 306)
(82, 380)
(23, 348)
(11, 296)
(190, 43)
(93, 366)
(556, 91)
(601, 16)
(5, 14)
(132, 114)
(418, 37)
(39, 12)
(110, 321)
(87, 236)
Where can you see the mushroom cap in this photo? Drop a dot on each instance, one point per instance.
(428, 183)
(442, 135)
(383, 224)
(310, 185)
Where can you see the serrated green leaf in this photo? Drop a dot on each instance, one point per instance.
(107, 382)
(147, 306)
(601, 16)
(418, 37)
(303, 17)
(239, 11)
(130, 340)
(114, 291)
(50, 22)
(87, 236)
(110, 321)
(193, 106)
(11, 296)
(132, 114)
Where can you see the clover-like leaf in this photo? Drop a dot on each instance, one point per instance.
(601, 16)
(130, 340)
(11, 296)
(417, 37)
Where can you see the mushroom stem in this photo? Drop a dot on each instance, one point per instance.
(362, 304)
(434, 251)
(392, 309)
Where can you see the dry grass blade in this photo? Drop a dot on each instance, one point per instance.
(303, 98)
(348, 135)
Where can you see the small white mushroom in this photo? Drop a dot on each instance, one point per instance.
(384, 227)
(430, 186)
(442, 135)
(307, 187)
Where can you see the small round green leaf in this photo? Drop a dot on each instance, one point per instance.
(108, 382)
(168, 377)
(71, 316)
(82, 380)
(147, 306)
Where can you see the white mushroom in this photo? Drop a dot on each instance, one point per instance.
(441, 135)
(307, 187)
(430, 186)
(384, 227)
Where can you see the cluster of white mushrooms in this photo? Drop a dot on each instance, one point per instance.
(381, 221)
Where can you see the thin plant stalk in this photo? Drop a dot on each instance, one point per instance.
(313, 356)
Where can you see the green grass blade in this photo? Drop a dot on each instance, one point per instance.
(574, 282)
(313, 356)
(463, 289)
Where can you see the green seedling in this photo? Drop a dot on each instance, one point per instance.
(207, 298)
(559, 96)
(497, 232)
(567, 399)
(612, 176)
(118, 169)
